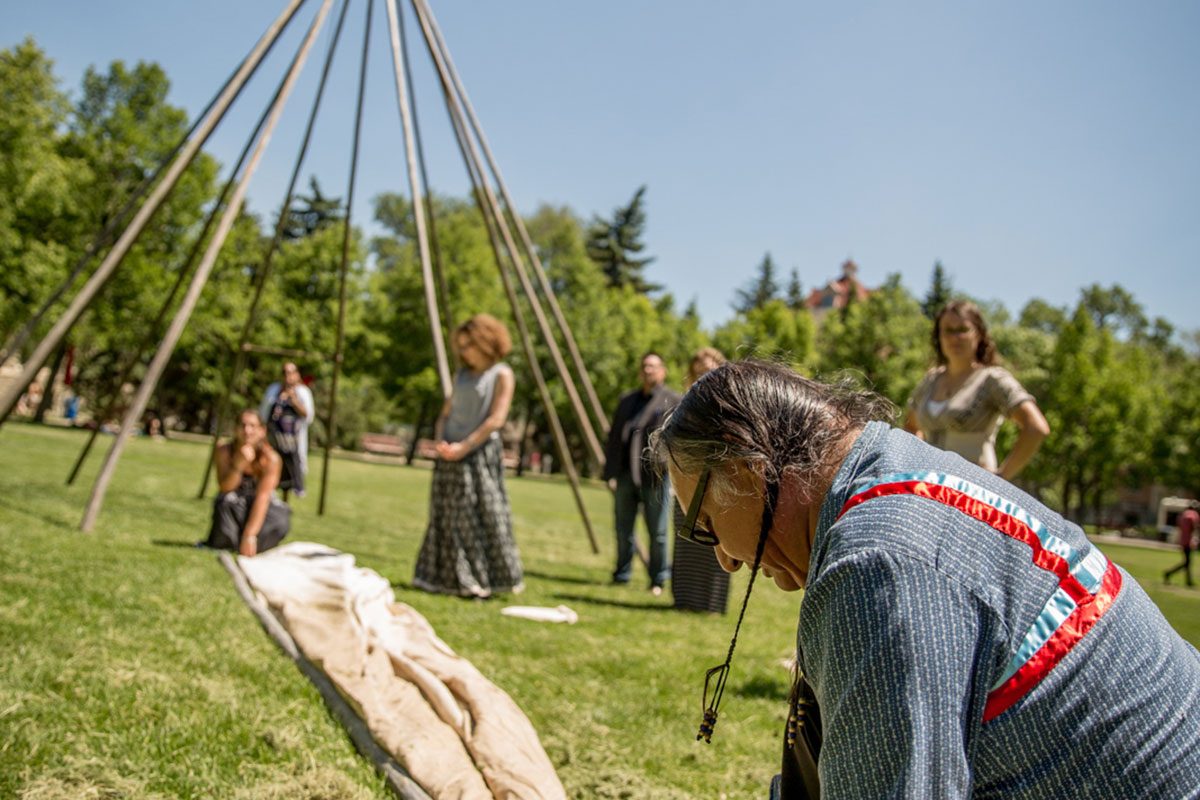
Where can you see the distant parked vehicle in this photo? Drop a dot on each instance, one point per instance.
(1169, 509)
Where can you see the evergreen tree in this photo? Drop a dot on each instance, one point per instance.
(614, 246)
(940, 291)
(312, 212)
(795, 292)
(761, 290)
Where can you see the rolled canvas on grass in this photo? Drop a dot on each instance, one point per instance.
(456, 733)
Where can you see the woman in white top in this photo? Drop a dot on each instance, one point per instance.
(960, 404)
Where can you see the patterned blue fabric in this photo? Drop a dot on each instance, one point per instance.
(914, 611)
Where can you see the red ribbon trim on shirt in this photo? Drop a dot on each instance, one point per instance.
(1089, 608)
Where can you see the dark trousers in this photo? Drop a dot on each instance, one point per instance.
(1185, 567)
(230, 511)
(653, 498)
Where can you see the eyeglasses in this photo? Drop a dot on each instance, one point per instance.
(689, 529)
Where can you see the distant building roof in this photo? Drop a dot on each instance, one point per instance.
(836, 293)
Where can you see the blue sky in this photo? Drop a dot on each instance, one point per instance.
(1033, 147)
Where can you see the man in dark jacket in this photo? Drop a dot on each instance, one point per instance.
(634, 479)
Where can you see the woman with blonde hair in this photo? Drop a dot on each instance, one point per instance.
(961, 403)
(697, 581)
(469, 548)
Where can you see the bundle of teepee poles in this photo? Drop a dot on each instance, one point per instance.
(511, 245)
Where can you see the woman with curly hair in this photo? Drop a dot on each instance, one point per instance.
(960, 404)
(469, 548)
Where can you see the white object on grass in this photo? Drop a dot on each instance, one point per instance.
(542, 614)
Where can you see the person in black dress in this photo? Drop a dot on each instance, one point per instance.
(247, 517)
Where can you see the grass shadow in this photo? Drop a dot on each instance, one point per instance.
(762, 688)
(547, 576)
(180, 543)
(52, 519)
(603, 601)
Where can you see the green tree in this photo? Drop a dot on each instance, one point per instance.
(795, 292)
(1159, 335)
(762, 289)
(613, 326)
(615, 245)
(123, 128)
(1177, 446)
(312, 212)
(1074, 404)
(773, 331)
(39, 204)
(1114, 308)
(940, 291)
(394, 342)
(1041, 316)
(884, 338)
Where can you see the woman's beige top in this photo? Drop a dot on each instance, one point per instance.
(967, 421)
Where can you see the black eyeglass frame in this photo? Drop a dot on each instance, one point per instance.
(689, 530)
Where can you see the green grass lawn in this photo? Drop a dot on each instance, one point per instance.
(130, 668)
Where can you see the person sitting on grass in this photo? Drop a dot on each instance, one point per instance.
(247, 517)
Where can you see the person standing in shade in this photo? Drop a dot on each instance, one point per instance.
(960, 404)
(247, 517)
(1187, 522)
(469, 549)
(288, 410)
(698, 583)
(633, 477)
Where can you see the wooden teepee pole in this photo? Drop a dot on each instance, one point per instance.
(263, 274)
(439, 274)
(331, 419)
(167, 346)
(539, 270)
(492, 220)
(9, 396)
(435, 322)
(152, 332)
(514, 254)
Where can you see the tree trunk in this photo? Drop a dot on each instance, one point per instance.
(1066, 495)
(39, 416)
(522, 446)
(422, 418)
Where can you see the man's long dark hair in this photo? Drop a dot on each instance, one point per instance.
(767, 416)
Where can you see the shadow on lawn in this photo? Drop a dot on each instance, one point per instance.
(51, 518)
(763, 688)
(546, 576)
(604, 601)
(187, 545)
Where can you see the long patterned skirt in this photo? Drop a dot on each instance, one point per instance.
(469, 548)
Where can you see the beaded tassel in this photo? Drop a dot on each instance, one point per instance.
(793, 725)
(706, 727)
